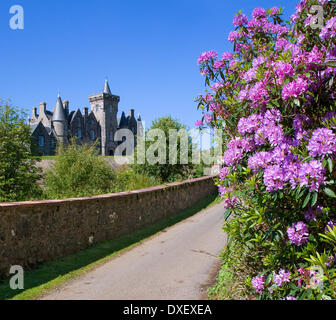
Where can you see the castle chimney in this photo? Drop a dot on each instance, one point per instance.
(43, 108)
(35, 116)
(131, 113)
(86, 111)
(66, 107)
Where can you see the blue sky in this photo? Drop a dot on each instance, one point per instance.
(147, 49)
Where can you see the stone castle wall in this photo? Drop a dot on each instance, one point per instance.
(39, 231)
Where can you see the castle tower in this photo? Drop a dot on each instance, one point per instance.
(59, 122)
(140, 128)
(105, 108)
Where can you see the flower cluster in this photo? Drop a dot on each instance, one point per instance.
(295, 88)
(322, 142)
(223, 173)
(298, 233)
(258, 283)
(206, 56)
(281, 278)
(312, 213)
(329, 30)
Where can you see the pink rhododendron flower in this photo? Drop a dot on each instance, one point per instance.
(227, 56)
(199, 123)
(258, 283)
(223, 173)
(259, 13)
(240, 19)
(322, 142)
(281, 278)
(205, 56)
(295, 88)
(298, 233)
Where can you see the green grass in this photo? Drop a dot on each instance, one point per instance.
(52, 274)
(222, 289)
(227, 286)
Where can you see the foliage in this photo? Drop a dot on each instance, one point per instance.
(162, 168)
(275, 99)
(18, 174)
(126, 180)
(78, 171)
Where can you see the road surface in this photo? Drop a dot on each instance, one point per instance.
(178, 263)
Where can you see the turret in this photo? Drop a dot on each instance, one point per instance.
(140, 128)
(123, 120)
(59, 122)
(107, 88)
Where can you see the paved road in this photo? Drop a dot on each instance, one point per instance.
(178, 263)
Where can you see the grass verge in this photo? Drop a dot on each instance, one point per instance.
(50, 275)
(227, 286)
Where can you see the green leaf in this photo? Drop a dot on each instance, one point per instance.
(330, 165)
(297, 102)
(329, 193)
(306, 200)
(331, 64)
(299, 195)
(314, 199)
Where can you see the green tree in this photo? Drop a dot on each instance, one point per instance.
(173, 156)
(78, 171)
(18, 173)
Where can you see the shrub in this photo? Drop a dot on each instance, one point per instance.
(127, 180)
(78, 171)
(275, 98)
(18, 173)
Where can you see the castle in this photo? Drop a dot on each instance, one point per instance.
(59, 125)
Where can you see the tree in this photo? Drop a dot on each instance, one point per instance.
(18, 173)
(168, 151)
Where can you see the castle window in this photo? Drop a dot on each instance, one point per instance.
(92, 134)
(41, 141)
(79, 134)
(79, 121)
(111, 109)
(111, 136)
(53, 143)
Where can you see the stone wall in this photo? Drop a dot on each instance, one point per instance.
(39, 231)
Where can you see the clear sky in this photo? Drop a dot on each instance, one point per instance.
(148, 50)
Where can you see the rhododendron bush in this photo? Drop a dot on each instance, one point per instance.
(274, 99)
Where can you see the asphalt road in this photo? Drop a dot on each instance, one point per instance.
(178, 263)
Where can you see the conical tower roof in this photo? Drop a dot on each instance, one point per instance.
(59, 114)
(123, 120)
(107, 88)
